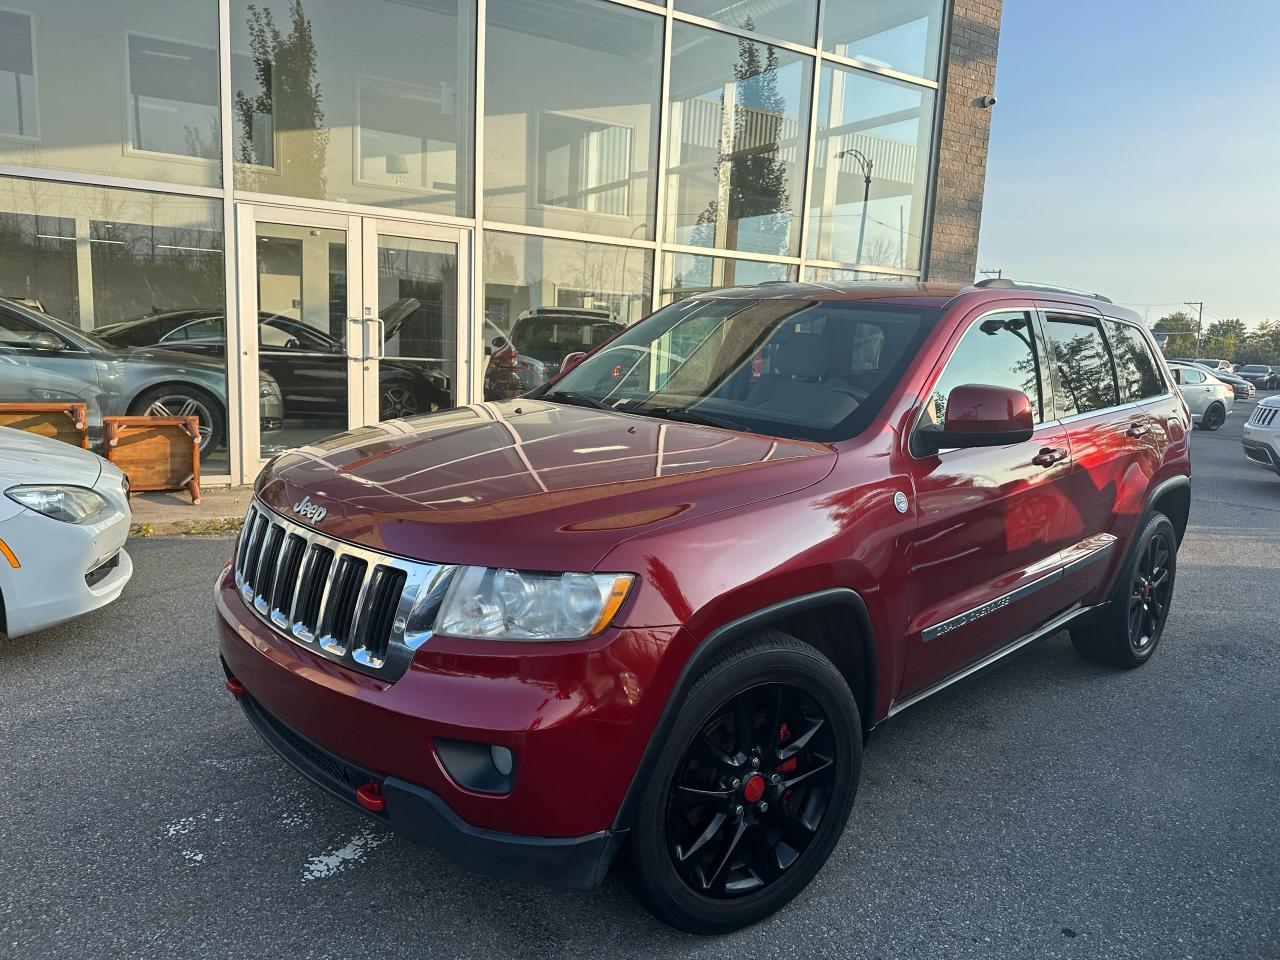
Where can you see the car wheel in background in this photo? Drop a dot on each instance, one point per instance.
(752, 789)
(398, 400)
(1126, 633)
(1214, 417)
(181, 400)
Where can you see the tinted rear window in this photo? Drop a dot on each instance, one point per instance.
(1085, 377)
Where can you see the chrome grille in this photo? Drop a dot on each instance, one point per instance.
(1264, 416)
(343, 602)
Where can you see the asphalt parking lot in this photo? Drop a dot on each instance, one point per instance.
(1054, 808)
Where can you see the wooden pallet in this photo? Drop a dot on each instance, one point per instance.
(68, 422)
(155, 453)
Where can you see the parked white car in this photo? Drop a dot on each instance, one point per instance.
(1261, 434)
(1209, 399)
(64, 518)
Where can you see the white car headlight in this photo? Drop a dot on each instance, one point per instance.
(513, 605)
(66, 503)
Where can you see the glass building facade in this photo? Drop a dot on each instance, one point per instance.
(289, 217)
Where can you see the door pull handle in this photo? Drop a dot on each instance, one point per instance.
(1137, 430)
(1048, 456)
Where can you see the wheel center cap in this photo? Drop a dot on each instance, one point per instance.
(753, 789)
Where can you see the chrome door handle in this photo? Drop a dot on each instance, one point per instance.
(1137, 430)
(1048, 456)
(373, 348)
(351, 353)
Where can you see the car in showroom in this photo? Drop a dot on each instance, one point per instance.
(539, 341)
(1260, 435)
(659, 603)
(44, 359)
(64, 520)
(1209, 399)
(1260, 375)
(307, 363)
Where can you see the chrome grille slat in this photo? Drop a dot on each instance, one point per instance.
(341, 601)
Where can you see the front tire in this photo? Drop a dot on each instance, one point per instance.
(751, 791)
(1129, 629)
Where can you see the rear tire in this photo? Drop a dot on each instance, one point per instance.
(1214, 417)
(752, 789)
(1125, 634)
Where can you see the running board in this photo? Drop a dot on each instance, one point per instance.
(1050, 628)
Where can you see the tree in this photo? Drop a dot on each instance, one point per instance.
(1223, 337)
(1181, 328)
(1261, 345)
(289, 97)
(756, 191)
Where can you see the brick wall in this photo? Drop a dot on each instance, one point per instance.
(962, 155)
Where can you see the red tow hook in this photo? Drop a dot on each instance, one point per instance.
(370, 797)
(235, 687)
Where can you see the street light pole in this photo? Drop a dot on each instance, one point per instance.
(1199, 305)
(865, 164)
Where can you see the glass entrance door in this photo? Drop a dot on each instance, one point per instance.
(344, 321)
(416, 298)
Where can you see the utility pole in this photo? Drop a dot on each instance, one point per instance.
(1199, 305)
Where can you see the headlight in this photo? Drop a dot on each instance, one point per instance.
(268, 389)
(70, 504)
(511, 605)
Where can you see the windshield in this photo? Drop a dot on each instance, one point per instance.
(61, 327)
(799, 369)
(1256, 368)
(552, 338)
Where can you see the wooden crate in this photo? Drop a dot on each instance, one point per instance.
(155, 453)
(68, 422)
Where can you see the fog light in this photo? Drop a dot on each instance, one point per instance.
(503, 761)
(482, 767)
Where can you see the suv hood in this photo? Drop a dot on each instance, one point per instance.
(528, 484)
(30, 458)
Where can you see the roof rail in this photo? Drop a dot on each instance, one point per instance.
(1005, 283)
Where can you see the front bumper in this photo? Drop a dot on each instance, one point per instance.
(577, 716)
(1262, 445)
(66, 569)
(417, 813)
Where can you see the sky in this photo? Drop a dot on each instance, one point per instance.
(1135, 152)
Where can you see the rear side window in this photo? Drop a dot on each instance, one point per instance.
(1136, 368)
(1086, 379)
(998, 349)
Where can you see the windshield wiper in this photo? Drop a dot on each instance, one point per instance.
(688, 415)
(576, 399)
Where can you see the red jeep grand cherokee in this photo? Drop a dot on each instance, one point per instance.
(660, 602)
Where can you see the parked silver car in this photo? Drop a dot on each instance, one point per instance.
(1209, 399)
(44, 359)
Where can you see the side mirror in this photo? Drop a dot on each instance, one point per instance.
(980, 415)
(571, 361)
(46, 341)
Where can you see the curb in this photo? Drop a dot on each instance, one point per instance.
(201, 527)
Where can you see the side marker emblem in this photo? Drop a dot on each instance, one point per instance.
(900, 502)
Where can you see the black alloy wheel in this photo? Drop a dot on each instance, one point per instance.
(1214, 417)
(1150, 592)
(751, 791)
(1125, 631)
(397, 402)
(752, 788)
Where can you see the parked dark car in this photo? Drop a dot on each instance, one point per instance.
(309, 365)
(538, 343)
(43, 358)
(1260, 375)
(659, 603)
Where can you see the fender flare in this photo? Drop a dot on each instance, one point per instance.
(724, 636)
